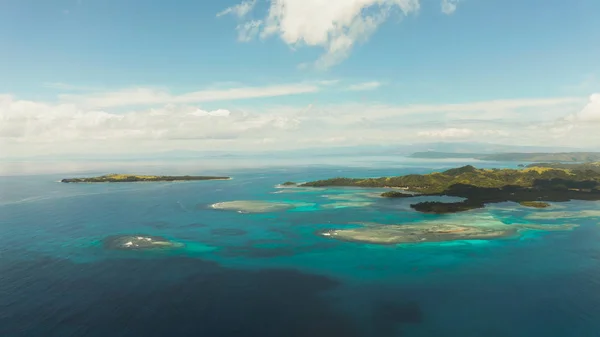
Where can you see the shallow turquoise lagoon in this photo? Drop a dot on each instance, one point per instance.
(270, 274)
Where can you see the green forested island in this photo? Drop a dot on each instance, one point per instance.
(562, 157)
(535, 204)
(482, 186)
(119, 178)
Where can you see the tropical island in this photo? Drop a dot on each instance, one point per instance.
(432, 231)
(535, 204)
(139, 242)
(123, 178)
(479, 187)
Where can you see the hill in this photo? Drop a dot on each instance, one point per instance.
(482, 186)
(593, 166)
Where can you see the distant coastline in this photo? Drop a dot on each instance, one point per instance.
(128, 178)
(559, 157)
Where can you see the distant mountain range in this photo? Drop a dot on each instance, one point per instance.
(546, 157)
(439, 150)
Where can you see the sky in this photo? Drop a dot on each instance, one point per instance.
(138, 76)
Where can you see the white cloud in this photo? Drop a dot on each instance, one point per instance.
(334, 25)
(26, 122)
(447, 133)
(35, 128)
(364, 86)
(240, 10)
(590, 113)
(151, 96)
(449, 6)
(248, 30)
(216, 113)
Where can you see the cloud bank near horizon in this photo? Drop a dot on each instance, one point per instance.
(147, 120)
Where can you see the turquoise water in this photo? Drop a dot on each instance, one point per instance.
(269, 274)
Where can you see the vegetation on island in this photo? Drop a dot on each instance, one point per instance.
(564, 157)
(535, 204)
(434, 231)
(289, 183)
(118, 178)
(592, 166)
(482, 186)
(395, 194)
(418, 233)
(439, 207)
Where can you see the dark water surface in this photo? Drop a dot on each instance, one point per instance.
(268, 274)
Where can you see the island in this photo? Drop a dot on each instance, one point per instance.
(289, 183)
(139, 242)
(479, 187)
(429, 232)
(396, 194)
(417, 233)
(535, 204)
(253, 206)
(438, 207)
(559, 157)
(126, 178)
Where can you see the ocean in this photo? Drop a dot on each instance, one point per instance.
(270, 274)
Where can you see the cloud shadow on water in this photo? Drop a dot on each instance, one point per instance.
(173, 296)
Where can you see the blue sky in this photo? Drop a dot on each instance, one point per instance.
(461, 66)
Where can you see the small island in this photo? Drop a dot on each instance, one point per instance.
(531, 186)
(126, 178)
(418, 233)
(253, 206)
(139, 242)
(535, 204)
(396, 194)
(430, 232)
(289, 183)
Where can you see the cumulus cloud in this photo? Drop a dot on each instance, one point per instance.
(590, 113)
(334, 25)
(33, 122)
(31, 127)
(449, 6)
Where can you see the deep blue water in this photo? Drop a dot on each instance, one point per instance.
(269, 274)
